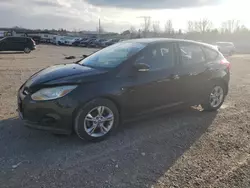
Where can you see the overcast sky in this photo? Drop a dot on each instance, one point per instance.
(117, 15)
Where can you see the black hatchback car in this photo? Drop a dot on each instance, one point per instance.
(25, 44)
(132, 78)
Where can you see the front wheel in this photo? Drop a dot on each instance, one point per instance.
(96, 120)
(215, 98)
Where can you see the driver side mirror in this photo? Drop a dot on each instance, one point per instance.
(142, 67)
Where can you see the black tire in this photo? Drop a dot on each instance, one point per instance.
(207, 103)
(83, 112)
(27, 50)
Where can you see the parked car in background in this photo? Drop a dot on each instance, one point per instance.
(78, 41)
(87, 42)
(110, 42)
(98, 43)
(226, 48)
(47, 38)
(121, 82)
(57, 40)
(25, 44)
(69, 40)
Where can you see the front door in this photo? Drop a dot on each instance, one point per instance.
(154, 89)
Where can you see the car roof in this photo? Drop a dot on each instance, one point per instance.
(160, 40)
(224, 43)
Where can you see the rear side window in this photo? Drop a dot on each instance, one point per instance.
(191, 54)
(18, 39)
(210, 54)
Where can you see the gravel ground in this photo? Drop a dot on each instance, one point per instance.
(185, 149)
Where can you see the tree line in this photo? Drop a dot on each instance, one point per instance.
(202, 26)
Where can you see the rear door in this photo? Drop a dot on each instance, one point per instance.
(192, 70)
(18, 43)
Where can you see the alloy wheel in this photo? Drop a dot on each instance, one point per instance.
(98, 121)
(216, 97)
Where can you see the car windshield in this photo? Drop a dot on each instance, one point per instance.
(112, 56)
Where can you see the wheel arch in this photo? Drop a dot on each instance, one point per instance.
(111, 98)
(221, 81)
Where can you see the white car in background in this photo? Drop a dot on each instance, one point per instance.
(57, 40)
(226, 48)
(69, 40)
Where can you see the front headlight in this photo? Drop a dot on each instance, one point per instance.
(52, 93)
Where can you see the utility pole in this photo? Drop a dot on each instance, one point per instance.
(99, 27)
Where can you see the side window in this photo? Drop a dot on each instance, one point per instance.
(160, 56)
(210, 54)
(191, 54)
(19, 39)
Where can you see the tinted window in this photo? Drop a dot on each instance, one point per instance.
(158, 57)
(210, 54)
(17, 39)
(191, 53)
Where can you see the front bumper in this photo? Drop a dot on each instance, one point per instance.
(55, 115)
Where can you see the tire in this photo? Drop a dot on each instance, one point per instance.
(27, 50)
(92, 127)
(208, 105)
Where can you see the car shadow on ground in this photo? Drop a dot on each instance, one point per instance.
(12, 52)
(136, 156)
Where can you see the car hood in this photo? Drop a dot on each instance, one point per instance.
(59, 73)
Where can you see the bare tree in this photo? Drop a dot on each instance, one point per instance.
(203, 25)
(133, 30)
(156, 27)
(169, 27)
(190, 26)
(230, 26)
(147, 24)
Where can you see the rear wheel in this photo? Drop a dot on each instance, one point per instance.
(96, 120)
(215, 98)
(27, 50)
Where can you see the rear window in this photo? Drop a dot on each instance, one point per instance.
(210, 54)
(191, 53)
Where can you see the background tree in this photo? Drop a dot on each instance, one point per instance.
(203, 25)
(169, 27)
(230, 26)
(156, 27)
(190, 26)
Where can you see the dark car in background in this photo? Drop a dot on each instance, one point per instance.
(110, 42)
(25, 44)
(126, 80)
(226, 48)
(98, 43)
(78, 41)
(87, 42)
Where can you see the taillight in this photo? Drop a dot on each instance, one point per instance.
(226, 63)
(33, 42)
